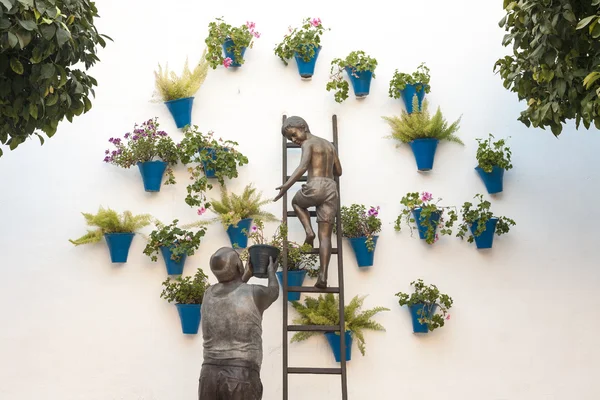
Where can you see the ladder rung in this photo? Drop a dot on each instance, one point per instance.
(303, 178)
(291, 145)
(317, 371)
(316, 251)
(293, 213)
(312, 289)
(313, 328)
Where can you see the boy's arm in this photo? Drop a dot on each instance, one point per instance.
(302, 168)
(337, 166)
(264, 296)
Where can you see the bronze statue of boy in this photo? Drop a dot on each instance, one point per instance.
(320, 159)
(232, 329)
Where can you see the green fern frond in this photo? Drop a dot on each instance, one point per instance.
(109, 221)
(90, 237)
(232, 207)
(171, 87)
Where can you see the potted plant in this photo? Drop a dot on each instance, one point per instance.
(262, 249)
(324, 311)
(153, 151)
(118, 231)
(300, 260)
(492, 160)
(423, 133)
(408, 86)
(360, 69)
(424, 305)
(187, 293)
(177, 92)
(304, 44)
(236, 213)
(430, 216)
(482, 223)
(360, 227)
(233, 41)
(174, 243)
(212, 159)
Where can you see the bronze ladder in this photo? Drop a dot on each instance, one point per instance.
(287, 370)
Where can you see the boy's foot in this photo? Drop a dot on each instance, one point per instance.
(310, 239)
(321, 284)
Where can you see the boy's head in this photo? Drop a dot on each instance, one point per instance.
(226, 265)
(295, 129)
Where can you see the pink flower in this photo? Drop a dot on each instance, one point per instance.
(426, 196)
(373, 212)
(250, 25)
(289, 28)
(316, 21)
(227, 62)
(188, 238)
(437, 237)
(201, 210)
(254, 229)
(256, 35)
(448, 317)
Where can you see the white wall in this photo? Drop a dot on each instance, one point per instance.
(75, 326)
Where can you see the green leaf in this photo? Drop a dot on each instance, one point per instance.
(48, 71)
(24, 38)
(8, 3)
(41, 138)
(28, 24)
(583, 23)
(52, 99)
(16, 66)
(12, 39)
(4, 23)
(48, 31)
(87, 103)
(62, 36)
(33, 110)
(28, 3)
(569, 16)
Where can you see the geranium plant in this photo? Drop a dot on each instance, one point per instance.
(110, 221)
(480, 214)
(420, 125)
(435, 304)
(232, 208)
(431, 216)
(324, 311)
(179, 241)
(420, 78)
(186, 290)
(145, 143)
(235, 39)
(169, 86)
(491, 154)
(299, 257)
(303, 41)
(358, 222)
(355, 63)
(223, 159)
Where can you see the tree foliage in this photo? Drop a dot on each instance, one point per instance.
(552, 55)
(40, 43)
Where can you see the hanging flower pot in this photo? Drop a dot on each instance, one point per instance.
(181, 110)
(306, 69)
(361, 82)
(424, 151)
(486, 239)
(364, 256)
(493, 180)
(228, 50)
(173, 267)
(209, 172)
(237, 237)
(118, 245)
(334, 341)
(295, 278)
(409, 91)
(420, 311)
(259, 257)
(432, 219)
(152, 174)
(190, 315)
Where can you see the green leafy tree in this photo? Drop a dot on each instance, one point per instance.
(551, 58)
(186, 290)
(324, 311)
(110, 221)
(429, 296)
(43, 47)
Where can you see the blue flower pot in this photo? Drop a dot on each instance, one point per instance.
(189, 314)
(238, 239)
(229, 53)
(364, 257)
(486, 239)
(493, 180)
(118, 245)
(210, 173)
(181, 109)
(334, 341)
(434, 217)
(417, 326)
(173, 267)
(360, 83)
(307, 68)
(409, 92)
(424, 151)
(152, 174)
(295, 278)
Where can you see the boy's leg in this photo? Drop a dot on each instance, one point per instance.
(304, 217)
(325, 230)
